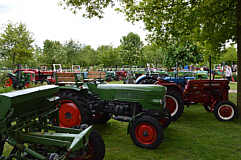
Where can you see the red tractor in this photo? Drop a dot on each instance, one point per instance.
(212, 94)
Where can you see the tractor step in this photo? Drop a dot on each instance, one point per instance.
(122, 118)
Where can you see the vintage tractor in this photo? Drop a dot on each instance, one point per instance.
(143, 106)
(20, 79)
(212, 94)
(27, 130)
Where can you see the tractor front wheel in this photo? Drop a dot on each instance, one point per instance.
(225, 111)
(146, 132)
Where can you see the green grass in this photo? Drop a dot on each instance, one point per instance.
(233, 85)
(4, 90)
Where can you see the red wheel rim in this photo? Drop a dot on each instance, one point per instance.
(27, 85)
(8, 82)
(69, 114)
(171, 105)
(226, 112)
(145, 133)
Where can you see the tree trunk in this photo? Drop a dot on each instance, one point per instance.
(239, 54)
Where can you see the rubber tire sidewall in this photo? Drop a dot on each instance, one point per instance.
(178, 97)
(152, 121)
(98, 145)
(147, 80)
(235, 115)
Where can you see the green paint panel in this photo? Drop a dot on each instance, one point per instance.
(26, 102)
(147, 95)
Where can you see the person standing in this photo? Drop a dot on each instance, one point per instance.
(228, 73)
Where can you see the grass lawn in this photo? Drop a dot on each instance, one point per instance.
(233, 85)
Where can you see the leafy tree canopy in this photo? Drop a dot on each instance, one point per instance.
(131, 49)
(16, 44)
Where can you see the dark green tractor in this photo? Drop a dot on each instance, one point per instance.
(143, 106)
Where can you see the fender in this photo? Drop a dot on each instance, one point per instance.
(140, 78)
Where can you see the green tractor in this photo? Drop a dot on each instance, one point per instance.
(142, 106)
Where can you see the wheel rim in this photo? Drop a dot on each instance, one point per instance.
(226, 112)
(69, 114)
(171, 105)
(8, 82)
(145, 133)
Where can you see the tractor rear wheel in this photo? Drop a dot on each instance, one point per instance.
(8, 82)
(174, 104)
(225, 111)
(146, 132)
(72, 111)
(147, 80)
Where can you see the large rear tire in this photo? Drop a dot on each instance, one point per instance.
(146, 132)
(147, 80)
(174, 104)
(72, 110)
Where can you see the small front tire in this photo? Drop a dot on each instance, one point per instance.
(225, 111)
(146, 132)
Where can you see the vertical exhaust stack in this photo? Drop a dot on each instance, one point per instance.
(210, 68)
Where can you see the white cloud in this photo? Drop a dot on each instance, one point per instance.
(47, 20)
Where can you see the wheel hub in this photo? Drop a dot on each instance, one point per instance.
(69, 115)
(146, 133)
(225, 111)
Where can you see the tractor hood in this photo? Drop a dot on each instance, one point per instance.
(149, 96)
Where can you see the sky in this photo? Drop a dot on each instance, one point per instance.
(47, 20)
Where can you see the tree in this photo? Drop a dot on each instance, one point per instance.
(131, 49)
(154, 54)
(229, 55)
(72, 51)
(182, 54)
(16, 44)
(108, 56)
(213, 21)
(53, 52)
